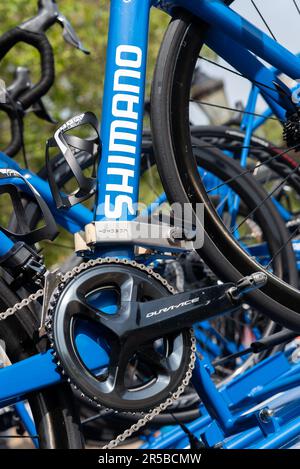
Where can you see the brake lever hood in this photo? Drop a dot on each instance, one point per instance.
(49, 14)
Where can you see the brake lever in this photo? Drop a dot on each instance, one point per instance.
(48, 15)
(21, 83)
(70, 35)
(40, 110)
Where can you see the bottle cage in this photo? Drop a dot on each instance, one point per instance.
(70, 146)
(26, 234)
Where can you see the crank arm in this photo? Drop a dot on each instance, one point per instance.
(185, 309)
(157, 318)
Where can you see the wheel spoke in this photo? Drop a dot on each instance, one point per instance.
(296, 6)
(263, 20)
(270, 194)
(227, 108)
(235, 72)
(252, 170)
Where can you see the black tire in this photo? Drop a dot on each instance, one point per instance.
(250, 192)
(178, 169)
(232, 139)
(252, 195)
(53, 409)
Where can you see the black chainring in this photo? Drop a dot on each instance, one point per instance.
(131, 384)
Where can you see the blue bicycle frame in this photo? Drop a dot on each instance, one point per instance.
(244, 400)
(233, 38)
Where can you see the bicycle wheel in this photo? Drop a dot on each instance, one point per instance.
(271, 165)
(184, 39)
(266, 221)
(53, 410)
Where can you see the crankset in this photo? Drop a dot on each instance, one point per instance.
(119, 336)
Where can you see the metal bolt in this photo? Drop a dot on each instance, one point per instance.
(179, 234)
(219, 446)
(175, 233)
(265, 415)
(190, 235)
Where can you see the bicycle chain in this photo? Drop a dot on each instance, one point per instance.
(161, 407)
(22, 304)
(185, 382)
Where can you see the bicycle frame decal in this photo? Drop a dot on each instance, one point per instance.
(117, 132)
(123, 108)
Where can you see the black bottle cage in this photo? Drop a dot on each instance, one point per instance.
(69, 146)
(26, 234)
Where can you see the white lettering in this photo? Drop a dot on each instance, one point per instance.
(115, 210)
(171, 308)
(134, 62)
(118, 86)
(116, 134)
(130, 101)
(124, 185)
(123, 131)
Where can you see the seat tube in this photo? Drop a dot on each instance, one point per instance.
(123, 109)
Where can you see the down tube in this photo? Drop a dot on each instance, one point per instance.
(123, 109)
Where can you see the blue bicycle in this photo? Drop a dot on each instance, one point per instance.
(111, 327)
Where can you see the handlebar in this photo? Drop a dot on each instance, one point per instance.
(19, 85)
(41, 43)
(16, 137)
(22, 82)
(22, 92)
(32, 32)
